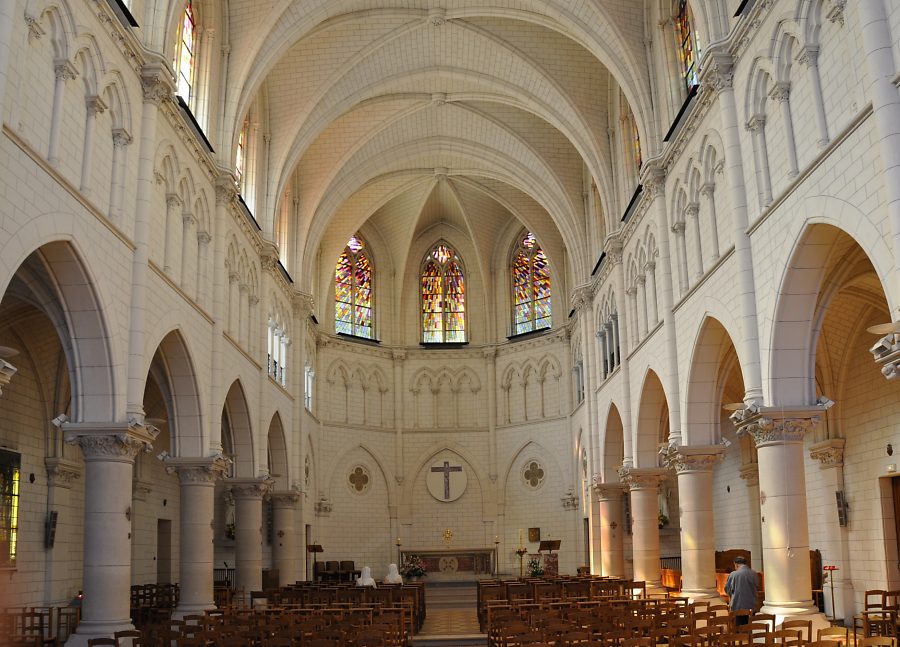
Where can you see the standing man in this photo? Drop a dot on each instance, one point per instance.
(741, 587)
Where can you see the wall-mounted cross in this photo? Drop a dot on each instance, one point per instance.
(446, 469)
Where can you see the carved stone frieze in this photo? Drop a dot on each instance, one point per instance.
(62, 472)
(111, 441)
(829, 453)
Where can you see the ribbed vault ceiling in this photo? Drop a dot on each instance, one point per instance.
(478, 117)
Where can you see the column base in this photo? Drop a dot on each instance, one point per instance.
(87, 630)
(805, 610)
(656, 588)
(705, 595)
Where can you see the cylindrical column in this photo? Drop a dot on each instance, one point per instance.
(642, 304)
(694, 466)
(612, 528)
(781, 93)
(757, 128)
(785, 530)
(109, 452)
(248, 495)
(809, 57)
(681, 251)
(121, 139)
(198, 478)
(644, 487)
(94, 106)
(284, 543)
(652, 296)
(188, 244)
(708, 191)
(631, 301)
(692, 211)
(64, 72)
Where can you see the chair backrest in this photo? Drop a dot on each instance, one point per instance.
(99, 642)
(877, 641)
(347, 565)
(875, 599)
(804, 626)
(834, 634)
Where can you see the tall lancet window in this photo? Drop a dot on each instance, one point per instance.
(353, 290)
(185, 56)
(531, 286)
(240, 158)
(443, 297)
(688, 44)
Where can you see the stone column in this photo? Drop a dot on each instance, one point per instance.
(187, 237)
(652, 296)
(284, 543)
(121, 140)
(64, 71)
(643, 483)
(642, 304)
(94, 106)
(750, 474)
(809, 56)
(109, 451)
(757, 127)
(692, 211)
(248, 519)
(694, 466)
(198, 478)
(781, 94)
(708, 191)
(611, 528)
(835, 548)
(681, 251)
(631, 302)
(778, 433)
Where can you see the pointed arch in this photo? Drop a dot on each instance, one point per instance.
(613, 445)
(443, 296)
(652, 422)
(236, 420)
(178, 379)
(278, 461)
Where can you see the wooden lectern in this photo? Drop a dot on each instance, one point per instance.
(549, 545)
(315, 549)
(551, 561)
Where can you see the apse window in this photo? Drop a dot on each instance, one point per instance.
(531, 286)
(443, 284)
(353, 278)
(10, 466)
(688, 44)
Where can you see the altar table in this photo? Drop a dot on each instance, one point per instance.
(455, 563)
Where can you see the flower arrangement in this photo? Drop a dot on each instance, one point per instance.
(535, 569)
(413, 566)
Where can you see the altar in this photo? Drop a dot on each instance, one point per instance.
(454, 564)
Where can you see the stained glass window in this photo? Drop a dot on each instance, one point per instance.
(688, 44)
(240, 157)
(443, 297)
(353, 291)
(10, 463)
(636, 143)
(531, 286)
(184, 54)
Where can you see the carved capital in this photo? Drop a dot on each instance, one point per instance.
(489, 353)
(268, 257)
(250, 488)
(686, 459)
(655, 183)
(607, 491)
(775, 426)
(692, 209)
(437, 17)
(641, 280)
(64, 70)
(62, 472)
(708, 189)
(836, 13)
(156, 84)
(650, 267)
(303, 304)
(631, 291)
(323, 507)
(678, 228)
(647, 478)
(35, 29)
(198, 471)
(829, 453)
(95, 105)
(226, 190)
(7, 371)
(398, 355)
(582, 297)
(719, 73)
(121, 137)
(808, 56)
(173, 200)
(285, 498)
(781, 91)
(111, 442)
(756, 123)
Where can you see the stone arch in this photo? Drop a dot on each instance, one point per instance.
(429, 454)
(652, 421)
(277, 454)
(173, 369)
(703, 411)
(379, 462)
(55, 280)
(237, 415)
(613, 445)
(545, 455)
(798, 310)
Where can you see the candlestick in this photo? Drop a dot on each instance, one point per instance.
(521, 540)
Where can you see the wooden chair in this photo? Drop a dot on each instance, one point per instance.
(102, 642)
(833, 635)
(877, 641)
(804, 626)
